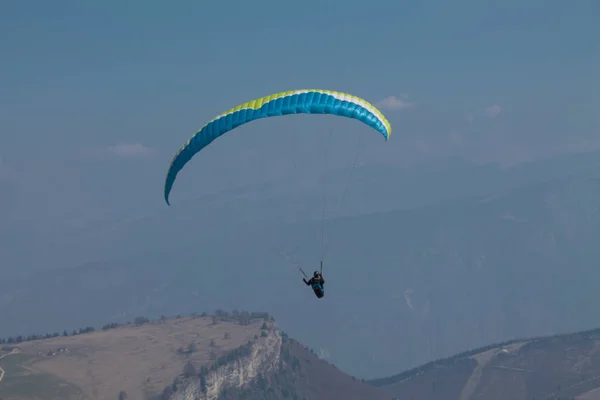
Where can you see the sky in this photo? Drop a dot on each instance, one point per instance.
(97, 96)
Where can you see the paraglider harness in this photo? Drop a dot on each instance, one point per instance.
(316, 282)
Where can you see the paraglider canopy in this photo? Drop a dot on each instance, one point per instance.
(305, 101)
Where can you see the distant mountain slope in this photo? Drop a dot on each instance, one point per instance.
(416, 284)
(404, 286)
(558, 367)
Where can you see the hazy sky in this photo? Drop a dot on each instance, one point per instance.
(97, 96)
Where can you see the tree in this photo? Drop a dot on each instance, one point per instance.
(167, 392)
(140, 321)
(191, 348)
(87, 329)
(262, 384)
(244, 318)
(226, 336)
(220, 313)
(112, 325)
(123, 395)
(203, 383)
(189, 370)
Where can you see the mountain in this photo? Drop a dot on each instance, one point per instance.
(33, 244)
(237, 355)
(273, 367)
(558, 367)
(245, 356)
(515, 258)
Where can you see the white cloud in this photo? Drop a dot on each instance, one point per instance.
(395, 103)
(131, 150)
(122, 150)
(408, 298)
(494, 110)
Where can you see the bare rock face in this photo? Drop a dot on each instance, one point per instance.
(271, 367)
(236, 371)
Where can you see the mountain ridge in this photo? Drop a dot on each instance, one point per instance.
(267, 364)
(226, 355)
(563, 366)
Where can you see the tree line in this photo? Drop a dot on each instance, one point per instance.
(235, 316)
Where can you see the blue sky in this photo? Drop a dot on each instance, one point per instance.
(97, 96)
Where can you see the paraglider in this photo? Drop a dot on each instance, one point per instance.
(306, 101)
(316, 282)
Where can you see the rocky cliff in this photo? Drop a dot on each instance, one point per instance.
(237, 370)
(270, 367)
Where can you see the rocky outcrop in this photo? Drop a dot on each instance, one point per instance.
(237, 370)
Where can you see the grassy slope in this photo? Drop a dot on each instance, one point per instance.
(138, 360)
(558, 367)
